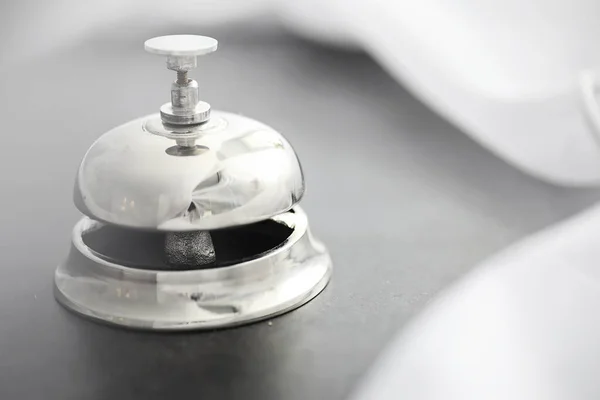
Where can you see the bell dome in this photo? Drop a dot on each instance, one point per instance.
(237, 171)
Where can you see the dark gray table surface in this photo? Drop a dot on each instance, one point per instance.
(405, 201)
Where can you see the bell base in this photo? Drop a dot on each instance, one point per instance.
(275, 282)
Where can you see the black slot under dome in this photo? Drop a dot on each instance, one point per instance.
(145, 250)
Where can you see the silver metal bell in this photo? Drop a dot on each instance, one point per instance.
(190, 219)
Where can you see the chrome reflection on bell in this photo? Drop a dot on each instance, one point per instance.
(190, 219)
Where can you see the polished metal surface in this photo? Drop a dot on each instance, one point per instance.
(240, 171)
(184, 93)
(276, 282)
(181, 52)
(187, 115)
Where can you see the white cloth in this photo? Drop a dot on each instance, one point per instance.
(524, 325)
